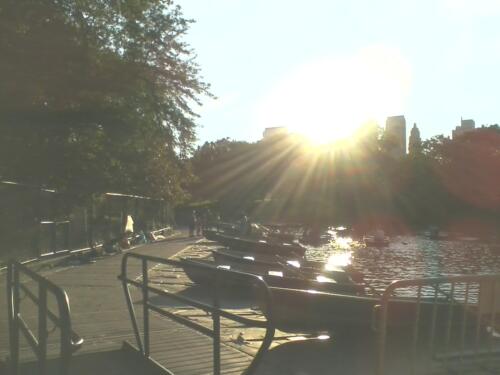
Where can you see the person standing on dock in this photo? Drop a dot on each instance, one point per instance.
(192, 223)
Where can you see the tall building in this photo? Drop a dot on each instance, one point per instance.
(272, 132)
(395, 136)
(464, 127)
(415, 142)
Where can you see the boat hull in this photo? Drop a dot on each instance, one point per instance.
(303, 311)
(252, 245)
(205, 276)
(305, 268)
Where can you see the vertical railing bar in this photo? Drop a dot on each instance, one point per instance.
(478, 318)
(17, 311)
(13, 306)
(269, 335)
(464, 320)
(130, 305)
(432, 334)
(415, 329)
(450, 316)
(384, 306)
(145, 302)
(493, 315)
(66, 343)
(42, 328)
(216, 325)
(53, 236)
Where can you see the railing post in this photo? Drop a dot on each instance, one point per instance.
(145, 302)
(13, 302)
(384, 307)
(67, 233)
(65, 327)
(42, 328)
(216, 325)
(128, 300)
(53, 237)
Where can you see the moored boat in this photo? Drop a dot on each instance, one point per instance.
(376, 241)
(280, 278)
(256, 245)
(295, 310)
(298, 265)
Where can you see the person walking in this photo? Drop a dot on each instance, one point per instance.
(192, 223)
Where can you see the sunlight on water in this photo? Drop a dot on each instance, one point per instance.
(343, 243)
(338, 259)
(275, 273)
(294, 263)
(408, 257)
(324, 279)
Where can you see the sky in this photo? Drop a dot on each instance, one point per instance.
(322, 67)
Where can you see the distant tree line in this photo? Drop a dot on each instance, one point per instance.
(283, 179)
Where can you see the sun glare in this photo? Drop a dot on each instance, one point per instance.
(328, 99)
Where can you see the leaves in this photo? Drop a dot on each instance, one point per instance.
(95, 94)
(283, 180)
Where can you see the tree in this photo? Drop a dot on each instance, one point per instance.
(96, 95)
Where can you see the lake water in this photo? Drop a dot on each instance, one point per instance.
(409, 257)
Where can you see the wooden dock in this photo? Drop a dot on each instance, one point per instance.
(100, 316)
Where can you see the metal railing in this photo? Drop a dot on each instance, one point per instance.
(218, 276)
(55, 243)
(69, 340)
(452, 325)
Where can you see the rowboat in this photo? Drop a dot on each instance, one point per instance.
(295, 310)
(276, 262)
(376, 241)
(308, 306)
(279, 278)
(256, 245)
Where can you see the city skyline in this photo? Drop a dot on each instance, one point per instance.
(463, 126)
(434, 61)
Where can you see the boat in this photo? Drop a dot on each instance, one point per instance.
(376, 241)
(255, 245)
(298, 265)
(201, 272)
(295, 310)
(308, 306)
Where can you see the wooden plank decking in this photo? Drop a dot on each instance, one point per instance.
(100, 316)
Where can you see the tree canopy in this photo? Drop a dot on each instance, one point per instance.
(97, 95)
(283, 179)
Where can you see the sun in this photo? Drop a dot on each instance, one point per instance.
(328, 99)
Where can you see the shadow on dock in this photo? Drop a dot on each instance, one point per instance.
(113, 362)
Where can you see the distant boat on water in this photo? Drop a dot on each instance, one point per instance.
(377, 239)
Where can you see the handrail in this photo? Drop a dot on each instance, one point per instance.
(70, 341)
(214, 309)
(459, 311)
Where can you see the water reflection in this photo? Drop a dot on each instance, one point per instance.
(408, 257)
(338, 259)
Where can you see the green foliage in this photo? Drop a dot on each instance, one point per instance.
(96, 95)
(283, 179)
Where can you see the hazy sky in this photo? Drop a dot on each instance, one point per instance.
(322, 67)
